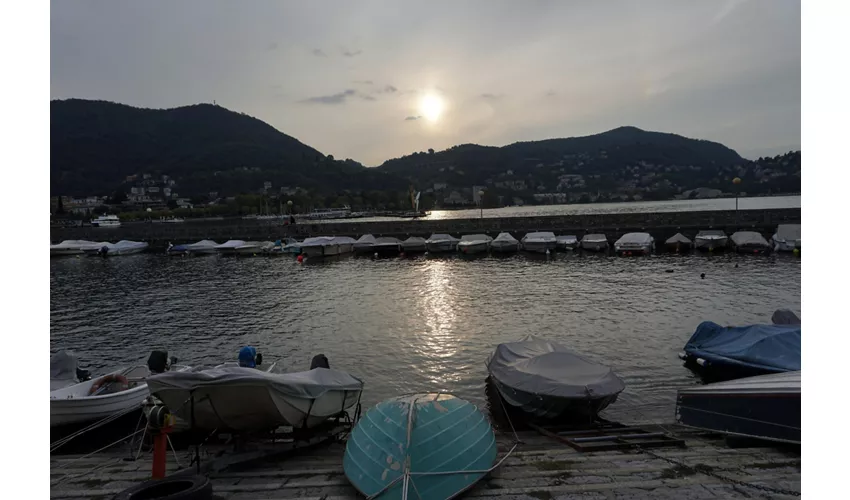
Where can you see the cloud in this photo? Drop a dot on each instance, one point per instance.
(551, 93)
(389, 89)
(319, 53)
(366, 97)
(271, 46)
(363, 82)
(491, 97)
(348, 53)
(337, 98)
(411, 118)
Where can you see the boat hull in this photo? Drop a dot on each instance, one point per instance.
(77, 410)
(504, 246)
(677, 247)
(538, 246)
(711, 244)
(553, 408)
(627, 251)
(474, 248)
(441, 246)
(772, 414)
(386, 250)
(595, 246)
(414, 247)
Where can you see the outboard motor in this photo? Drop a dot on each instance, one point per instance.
(103, 251)
(83, 375)
(320, 361)
(158, 362)
(248, 357)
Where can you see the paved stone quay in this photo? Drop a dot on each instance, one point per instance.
(661, 225)
(540, 468)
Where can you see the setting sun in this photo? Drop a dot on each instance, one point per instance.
(431, 107)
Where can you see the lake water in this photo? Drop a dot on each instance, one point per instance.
(420, 324)
(755, 203)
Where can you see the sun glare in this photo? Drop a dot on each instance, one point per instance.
(431, 107)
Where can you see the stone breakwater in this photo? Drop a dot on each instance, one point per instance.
(661, 225)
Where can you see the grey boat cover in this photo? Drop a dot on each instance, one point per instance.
(475, 237)
(788, 232)
(567, 239)
(742, 238)
(387, 241)
(635, 239)
(310, 384)
(414, 242)
(441, 237)
(711, 234)
(543, 237)
(537, 366)
(366, 240)
(678, 238)
(63, 370)
(785, 317)
(595, 238)
(505, 239)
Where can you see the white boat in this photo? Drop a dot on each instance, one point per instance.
(539, 242)
(504, 243)
(441, 243)
(787, 238)
(711, 240)
(246, 399)
(414, 244)
(364, 244)
(240, 247)
(123, 247)
(327, 246)
(387, 245)
(635, 244)
(74, 247)
(169, 220)
(474, 243)
(106, 221)
(203, 247)
(750, 242)
(329, 213)
(566, 242)
(102, 396)
(677, 243)
(595, 243)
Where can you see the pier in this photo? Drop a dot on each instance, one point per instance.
(540, 468)
(661, 225)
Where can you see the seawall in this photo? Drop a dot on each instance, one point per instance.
(661, 225)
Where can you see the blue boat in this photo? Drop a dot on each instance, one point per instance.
(725, 353)
(432, 446)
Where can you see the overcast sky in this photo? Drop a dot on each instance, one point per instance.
(349, 78)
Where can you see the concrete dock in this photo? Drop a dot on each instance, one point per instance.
(661, 225)
(540, 468)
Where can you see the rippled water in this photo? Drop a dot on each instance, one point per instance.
(426, 323)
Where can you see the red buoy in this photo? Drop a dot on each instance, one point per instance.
(300, 259)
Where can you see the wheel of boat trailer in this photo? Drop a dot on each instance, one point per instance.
(170, 488)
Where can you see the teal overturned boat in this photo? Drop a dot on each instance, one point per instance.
(429, 446)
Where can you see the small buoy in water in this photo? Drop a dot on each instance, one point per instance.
(300, 259)
(702, 276)
(376, 255)
(668, 271)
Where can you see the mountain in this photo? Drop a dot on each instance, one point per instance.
(623, 163)
(96, 145)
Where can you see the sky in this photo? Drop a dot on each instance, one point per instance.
(374, 80)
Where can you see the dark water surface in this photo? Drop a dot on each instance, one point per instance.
(421, 324)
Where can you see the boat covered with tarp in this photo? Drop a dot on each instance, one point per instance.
(566, 242)
(678, 243)
(505, 242)
(414, 244)
(236, 398)
(123, 247)
(419, 446)
(787, 238)
(198, 248)
(595, 242)
(74, 247)
(539, 242)
(725, 353)
(440, 242)
(364, 244)
(764, 407)
(711, 240)
(750, 242)
(634, 244)
(549, 381)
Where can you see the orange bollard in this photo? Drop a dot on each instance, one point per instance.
(164, 422)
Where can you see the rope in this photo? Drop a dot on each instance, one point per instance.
(65, 440)
(99, 450)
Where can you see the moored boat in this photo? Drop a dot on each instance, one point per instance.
(106, 221)
(504, 243)
(787, 238)
(327, 246)
(471, 244)
(634, 244)
(414, 244)
(539, 242)
(750, 242)
(548, 381)
(566, 242)
(291, 246)
(123, 247)
(724, 353)
(121, 390)
(596, 242)
(711, 240)
(239, 247)
(364, 244)
(203, 247)
(429, 446)
(764, 407)
(242, 399)
(441, 243)
(387, 245)
(678, 243)
(74, 247)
